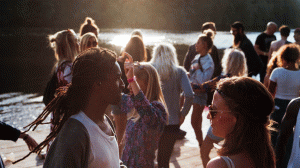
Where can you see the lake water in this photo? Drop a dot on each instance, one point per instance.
(222, 39)
(27, 61)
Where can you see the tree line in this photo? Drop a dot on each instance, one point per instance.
(154, 14)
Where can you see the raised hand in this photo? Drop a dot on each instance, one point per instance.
(128, 65)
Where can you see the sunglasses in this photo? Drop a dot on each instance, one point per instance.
(93, 44)
(213, 112)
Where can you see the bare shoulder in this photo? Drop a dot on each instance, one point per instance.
(216, 162)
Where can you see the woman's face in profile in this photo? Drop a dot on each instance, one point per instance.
(221, 118)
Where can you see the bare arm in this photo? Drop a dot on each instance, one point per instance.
(31, 143)
(120, 122)
(216, 162)
(258, 51)
(286, 129)
(272, 88)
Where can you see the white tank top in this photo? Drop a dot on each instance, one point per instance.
(295, 155)
(228, 161)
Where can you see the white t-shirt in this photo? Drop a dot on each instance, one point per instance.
(288, 83)
(104, 150)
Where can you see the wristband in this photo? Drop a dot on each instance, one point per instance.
(131, 79)
(25, 137)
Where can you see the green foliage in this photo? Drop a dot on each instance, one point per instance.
(154, 14)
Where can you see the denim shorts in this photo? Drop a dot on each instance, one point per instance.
(200, 99)
(212, 136)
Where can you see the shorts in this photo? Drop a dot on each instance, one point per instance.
(212, 136)
(200, 99)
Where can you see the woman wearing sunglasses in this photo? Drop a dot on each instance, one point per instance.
(144, 111)
(88, 40)
(240, 114)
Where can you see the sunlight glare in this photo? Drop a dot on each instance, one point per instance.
(122, 40)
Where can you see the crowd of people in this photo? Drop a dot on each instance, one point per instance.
(117, 111)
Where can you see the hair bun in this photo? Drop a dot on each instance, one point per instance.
(209, 33)
(89, 21)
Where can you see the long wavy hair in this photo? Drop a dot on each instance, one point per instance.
(165, 60)
(234, 62)
(272, 64)
(251, 104)
(147, 73)
(65, 45)
(288, 53)
(91, 65)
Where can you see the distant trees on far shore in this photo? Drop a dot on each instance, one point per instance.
(153, 14)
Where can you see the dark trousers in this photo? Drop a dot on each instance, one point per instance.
(1, 163)
(166, 145)
(262, 72)
(277, 116)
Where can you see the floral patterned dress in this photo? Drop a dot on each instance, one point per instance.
(142, 136)
(64, 77)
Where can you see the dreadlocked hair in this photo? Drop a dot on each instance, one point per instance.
(90, 66)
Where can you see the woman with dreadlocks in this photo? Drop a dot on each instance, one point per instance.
(83, 134)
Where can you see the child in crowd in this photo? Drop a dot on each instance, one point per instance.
(143, 110)
(202, 69)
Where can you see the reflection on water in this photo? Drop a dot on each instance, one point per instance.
(18, 109)
(223, 39)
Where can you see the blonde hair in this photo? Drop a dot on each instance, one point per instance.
(147, 73)
(65, 45)
(234, 63)
(207, 37)
(165, 61)
(85, 39)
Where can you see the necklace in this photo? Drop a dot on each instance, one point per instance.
(103, 125)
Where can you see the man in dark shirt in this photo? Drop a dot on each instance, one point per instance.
(262, 46)
(241, 41)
